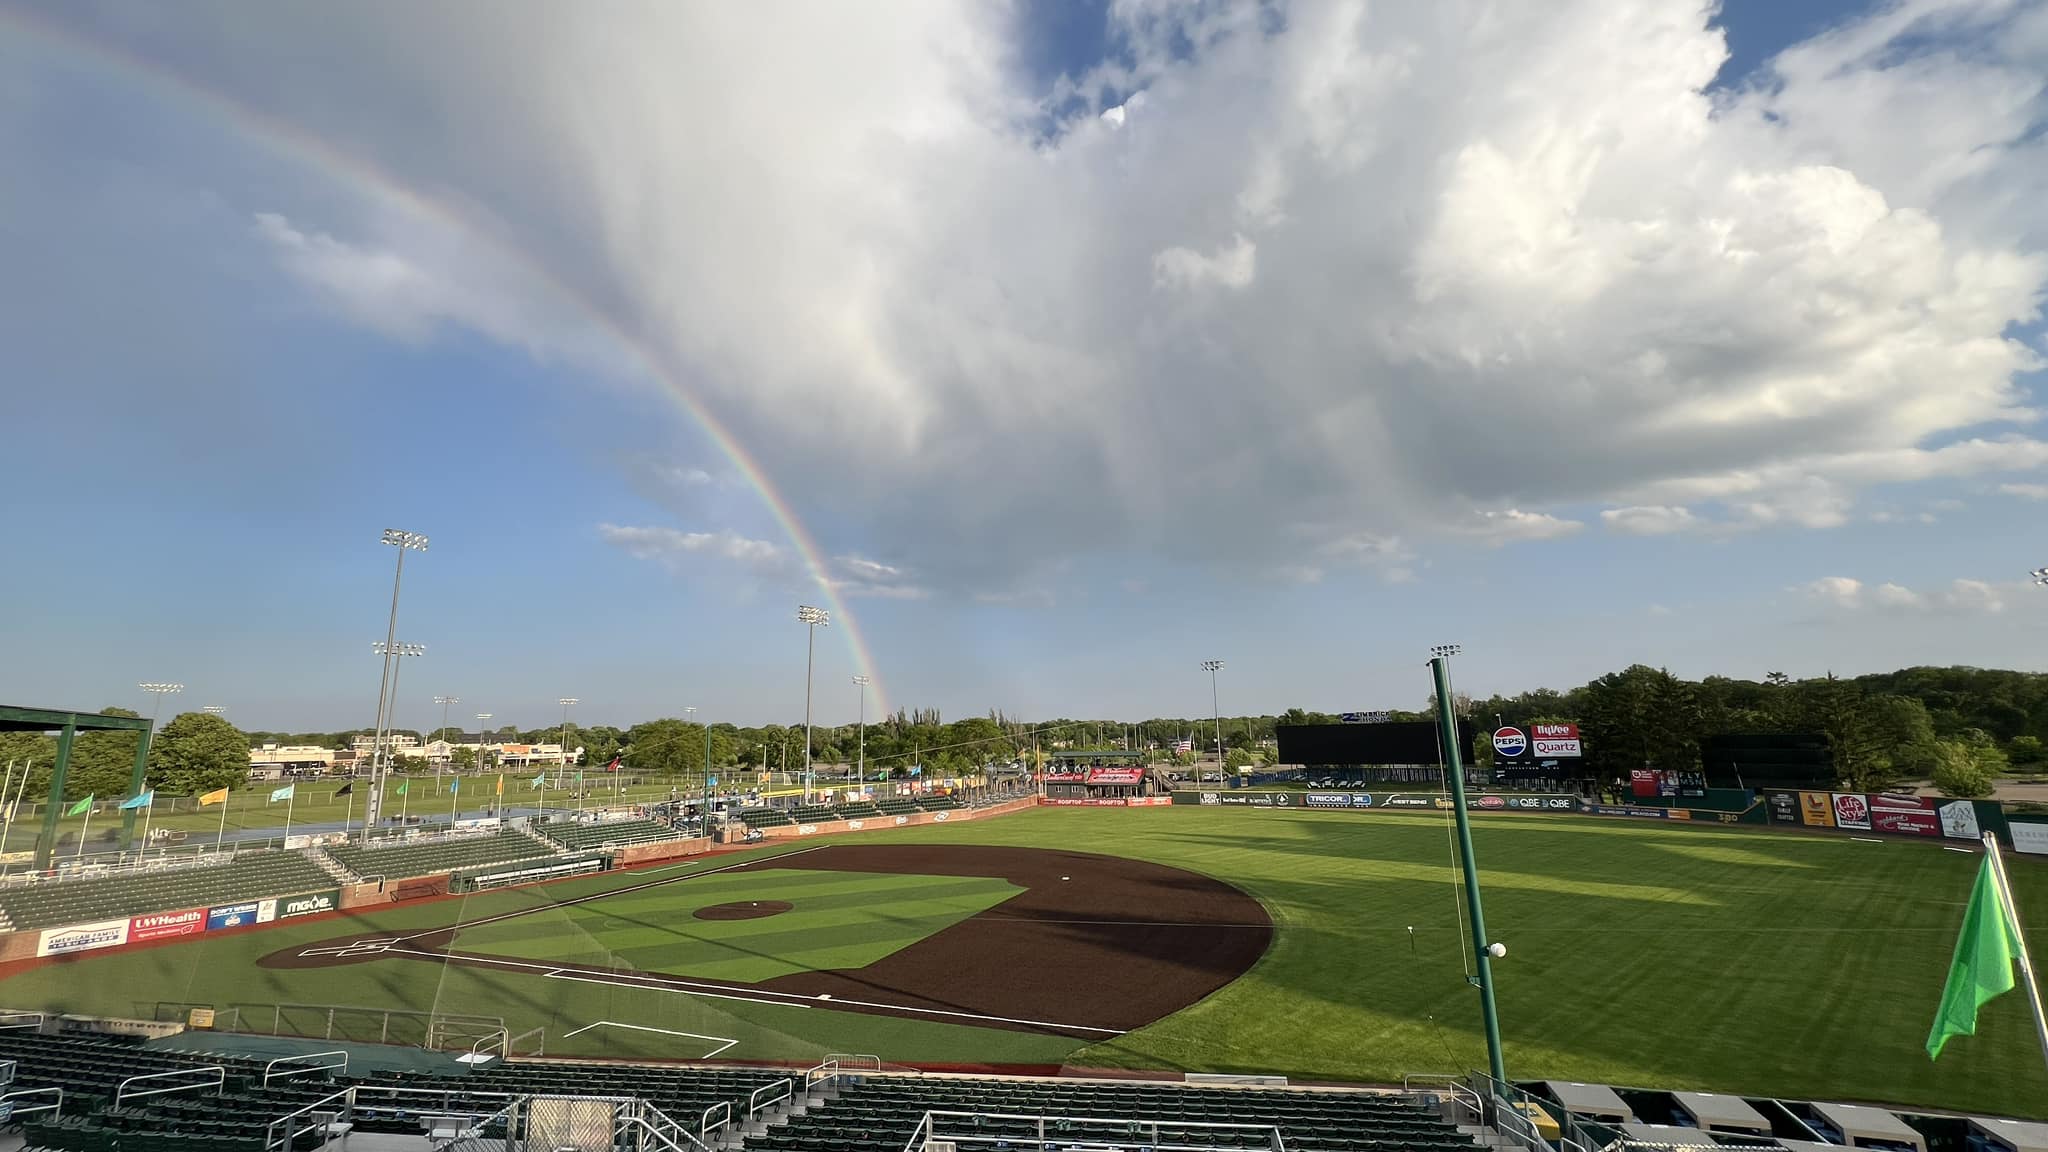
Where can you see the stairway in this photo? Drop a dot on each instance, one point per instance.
(329, 865)
(735, 1137)
(537, 838)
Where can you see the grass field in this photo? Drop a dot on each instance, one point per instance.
(1728, 959)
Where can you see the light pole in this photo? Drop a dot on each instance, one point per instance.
(2040, 576)
(812, 617)
(159, 691)
(478, 763)
(395, 654)
(1213, 667)
(405, 542)
(1454, 775)
(562, 765)
(704, 807)
(442, 735)
(215, 710)
(863, 682)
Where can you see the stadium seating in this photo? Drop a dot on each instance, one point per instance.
(938, 803)
(812, 813)
(440, 856)
(577, 837)
(765, 818)
(881, 1112)
(247, 877)
(897, 806)
(858, 810)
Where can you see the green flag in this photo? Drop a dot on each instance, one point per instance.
(402, 786)
(1982, 967)
(84, 805)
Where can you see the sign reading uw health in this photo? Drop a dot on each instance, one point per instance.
(161, 925)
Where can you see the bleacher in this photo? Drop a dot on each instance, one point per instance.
(765, 818)
(881, 1113)
(858, 810)
(576, 837)
(897, 806)
(247, 877)
(938, 803)
(813, 813)
(440, 856)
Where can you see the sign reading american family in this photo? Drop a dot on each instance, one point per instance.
(82, 937)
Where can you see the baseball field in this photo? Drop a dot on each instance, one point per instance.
(1315, 945)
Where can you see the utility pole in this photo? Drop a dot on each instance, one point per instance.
(863, 682)
(1454, 775)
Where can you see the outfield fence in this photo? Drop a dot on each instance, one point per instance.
(345, 1022)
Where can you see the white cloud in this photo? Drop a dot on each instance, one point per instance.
(859, 576)
(1513, 524)
(1321, 246)
(763, 557)
(1650, 520)
(2025, 491)
(1961, 597)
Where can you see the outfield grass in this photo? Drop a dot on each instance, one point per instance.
(1724, 959)
(836, 920)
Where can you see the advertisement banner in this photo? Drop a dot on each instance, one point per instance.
(1121, 776)
(236, 915)
(1852, 811)
(1816, 810)
(1339, 800)
(158, 925)
(1642, 782)
(309, 904)
(1959, 821)
(1548, 741)
(1784, 808)
(82, 937)
(2027, 837)
(1905, 815)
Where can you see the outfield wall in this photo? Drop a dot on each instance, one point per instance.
(907, 820)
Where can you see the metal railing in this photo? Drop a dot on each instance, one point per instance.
(855, 1061)
(1472, 1109)
(7, 1070)
(55, 1107)
(1083, 1130)
(540, 1049)
(755, 1103)
(298, 1065)
(212, 1076)
(497, 1038)
(322, 1112)
(15, 1020)
(704, 1125)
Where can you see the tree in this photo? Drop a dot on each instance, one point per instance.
(462, 758)
(1237, 758)
(198, 752)
(2027, 750)
(1961, 770)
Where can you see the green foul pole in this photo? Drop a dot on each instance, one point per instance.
(1454, 774)
(46, 844)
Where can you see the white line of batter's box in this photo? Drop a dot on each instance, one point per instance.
(723, 1041)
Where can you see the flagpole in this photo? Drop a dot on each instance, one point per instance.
(220, 838)
(2019, 941)
(82, 831)
(454, 798)
(289, 802)
(148, 810)
(349, 816)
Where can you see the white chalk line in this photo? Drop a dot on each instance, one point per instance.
(724, 1041)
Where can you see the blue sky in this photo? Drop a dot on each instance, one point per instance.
(1342, 339)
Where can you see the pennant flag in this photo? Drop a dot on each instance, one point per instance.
(284, 793)
(217, 796)
(84, 805)
(345, 789)
(613, 766)
(455, 785)
(402, 786)
(501, 783)
(1982, 968)
(579, 775)
(142, 799)
(540, 781)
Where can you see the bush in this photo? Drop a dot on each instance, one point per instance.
(1962, 770)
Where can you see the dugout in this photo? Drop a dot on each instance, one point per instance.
(1592, 1101)
(67, 724)
(1718, 1113)
(1859, 1126)
(1989, 1134)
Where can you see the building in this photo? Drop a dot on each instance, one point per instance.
(400, 743)
(510, 756)
(273, 761)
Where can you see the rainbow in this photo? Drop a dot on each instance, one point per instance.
(295, 144)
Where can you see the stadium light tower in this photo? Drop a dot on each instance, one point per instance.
(478, 763)
(567, 702)
(2040, 576)
(1216, 709)
(159, 691)
(215, 710)
(863, 681)
(811, 617)
(1454, 776)
(405, 542)
(704, 809)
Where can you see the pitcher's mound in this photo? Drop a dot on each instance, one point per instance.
(743, 910)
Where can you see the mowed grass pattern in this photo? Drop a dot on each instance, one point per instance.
(1736, 960)
(836, 920)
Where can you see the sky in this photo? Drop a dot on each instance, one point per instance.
(1053, 348)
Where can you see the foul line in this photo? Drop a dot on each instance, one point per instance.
(727, 1042)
